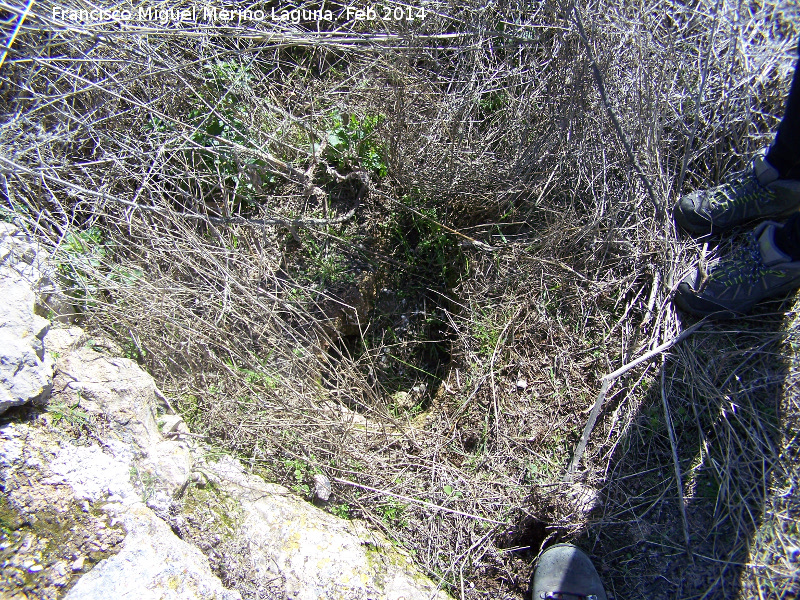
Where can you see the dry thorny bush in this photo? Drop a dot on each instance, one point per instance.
(454, 192)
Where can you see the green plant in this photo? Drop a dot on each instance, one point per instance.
(85, 262)
(451, 491)
(155, 124)
(341, 510)
(132, 351)
(228, 76)
(219, 114)
(8, 214)
(260, 377)
(80, 258)
(70, 414)
(191, 409)
(393, 513)
(492, 102)
(541, 470)
(487, 327)
(420, 242)
(257, 375)
(301, 473)
(352, 141)
(145, 480)
(325, 266)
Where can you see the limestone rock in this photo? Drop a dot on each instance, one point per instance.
(52, 525)
(106, 529)
(61, 340)
(114, 388)
(173, 426)
(24, 376)
(93, 474)
(260, 531)
(25, 371)
(20, 252)
(314, 553)
(116, 392)
(270, 534)
(153, 564)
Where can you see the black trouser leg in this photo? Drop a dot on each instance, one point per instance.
(784, 154)
(787, 238)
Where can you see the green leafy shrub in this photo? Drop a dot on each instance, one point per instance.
(421, 242)
(219, 112)
(85, 262)
(353, 141)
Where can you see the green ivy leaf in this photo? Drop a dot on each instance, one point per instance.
(334, 140)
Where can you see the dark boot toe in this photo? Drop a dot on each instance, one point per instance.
(687, 214)
(567, 570)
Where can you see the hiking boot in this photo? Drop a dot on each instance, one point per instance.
(755, 193)
(564, 572)
(753, 271)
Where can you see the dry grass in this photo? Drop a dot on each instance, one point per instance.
(168, 142)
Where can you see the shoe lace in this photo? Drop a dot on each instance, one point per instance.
(743, 264)
(737, 188)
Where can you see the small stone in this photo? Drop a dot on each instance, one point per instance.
(793, 554)
(584, 498)
(419, 389)
(173, 425)
(403, 400)
(60, 568)
(322, 487)
(33, 462)
(78, 564)
(35, 568)
(522, 384)
(59, 575)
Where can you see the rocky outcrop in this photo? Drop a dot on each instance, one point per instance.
(154, 563)
(82, 485)
(310, 552)
(97, 485)
(25, 370)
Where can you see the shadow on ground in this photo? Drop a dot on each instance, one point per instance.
(732, 398)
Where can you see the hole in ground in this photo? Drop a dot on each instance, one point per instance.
(526, 537)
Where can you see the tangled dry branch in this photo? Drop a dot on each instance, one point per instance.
(363, 329)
